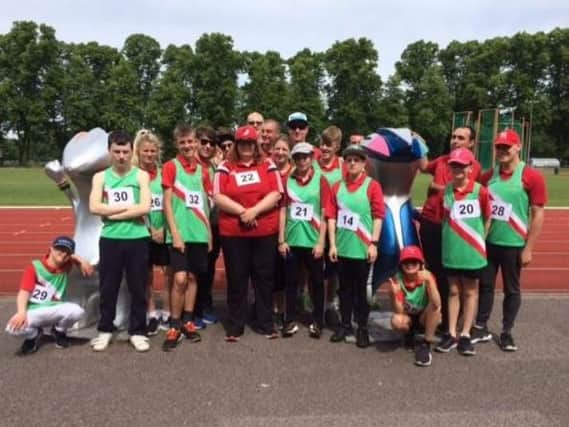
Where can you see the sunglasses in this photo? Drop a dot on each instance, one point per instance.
(253, 123)
(205, 141)
(296, 126)
(353, 160)
(226, 146)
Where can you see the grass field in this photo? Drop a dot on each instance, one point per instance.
(31, 187)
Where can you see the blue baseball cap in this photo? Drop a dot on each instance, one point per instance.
(297, 117)
(65, 243)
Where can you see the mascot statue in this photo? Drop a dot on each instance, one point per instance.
(84, 155)
(394, 156)
(393, 159)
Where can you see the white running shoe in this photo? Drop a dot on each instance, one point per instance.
(101, 341)
(140, 342)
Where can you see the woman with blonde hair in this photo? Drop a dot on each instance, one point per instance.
(146, 156)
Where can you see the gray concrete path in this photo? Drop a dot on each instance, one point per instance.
(293, 382)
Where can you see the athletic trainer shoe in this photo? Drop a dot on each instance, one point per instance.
(173, 337)
(362, 337)
(31, 345)
(60, 338)
(314, 331)
(465, 346)
(448, 343)
(507, 342)
(190, 332)
(101, 341)
(342, 333)
(209, 318)
(199, 323)
(479, 334)
(423, 355)
(140, 343)
(289, 329)
(153, 326)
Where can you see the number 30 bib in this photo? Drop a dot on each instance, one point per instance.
(120, 196)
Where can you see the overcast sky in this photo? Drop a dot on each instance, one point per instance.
(289, 26)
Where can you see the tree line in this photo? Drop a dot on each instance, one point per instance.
(49, 89)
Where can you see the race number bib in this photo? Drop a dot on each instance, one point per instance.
(247, 178)
(301, 211)
(501, 211)
(348, 220)
(42, 294)
(464, 209)
(194, 199)
(156, 202)
(120, 196)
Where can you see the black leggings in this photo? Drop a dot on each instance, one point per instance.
(303, 256)
(508, 260)
(431, 237)
(118, 257)
(353, 275)
(249, 258)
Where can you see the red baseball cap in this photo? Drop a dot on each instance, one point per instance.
(411, 253)
(508, 137)
(246, 133)
(462, 156)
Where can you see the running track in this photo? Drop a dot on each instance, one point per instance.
(25, 233)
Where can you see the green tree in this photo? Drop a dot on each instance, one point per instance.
(306, 87)
(353, 86)
(86, 70)
(266, 87)
(427, 100)
(28, 54)
(215, 79)
(171, 99)
(558, 89)
(393, 111)
(143, 54)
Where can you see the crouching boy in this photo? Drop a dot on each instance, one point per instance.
(40, 301)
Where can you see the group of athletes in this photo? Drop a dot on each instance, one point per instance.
(291, 218)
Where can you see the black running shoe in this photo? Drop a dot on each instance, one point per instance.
(314, 331)
(479, 334)
(60, 338)
(289, 329)
(448, 343)
(31, 345)
(341, 333)
(190, 332)
(362, 338)
(423, 355)
(152, 327)
(507, 342)
(465, 346)
(173, 337)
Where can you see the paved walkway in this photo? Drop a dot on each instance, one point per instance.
(293, 382)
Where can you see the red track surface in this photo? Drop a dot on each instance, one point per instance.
(26, 234)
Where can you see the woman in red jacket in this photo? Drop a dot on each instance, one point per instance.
(247, 190)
